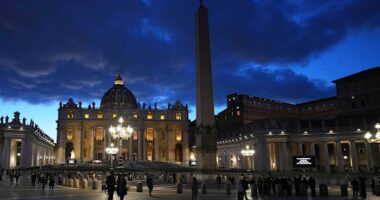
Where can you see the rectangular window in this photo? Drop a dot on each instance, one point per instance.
(162, 117)
(135, 136)
(99, 135)
(70, 115)
(178, 135)
(149, 134)
(69, 134)
(178, 116)
(238, 113)
(99, 116)
(149, 116)
(86, 116)
(114, 115)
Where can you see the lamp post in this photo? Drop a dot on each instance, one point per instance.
(119, 132)
(373, 138)
(111, 150)
(248, 153)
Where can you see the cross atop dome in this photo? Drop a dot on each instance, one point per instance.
(119, 79)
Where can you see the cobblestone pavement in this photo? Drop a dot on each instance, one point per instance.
(164, 192)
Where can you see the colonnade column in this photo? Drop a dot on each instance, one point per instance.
(285, 157)
(155, 145)
(354, 156)
(312, 152)
(326, 159)
(339, 156)
(368, 151)
(94, 156)
(107, 138)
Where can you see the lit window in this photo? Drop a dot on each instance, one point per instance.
(99, 136)
(114, 115)
(237, 107)
(70, 115)
(149, 134)
(69, 134)
(178, 135)
(178, 116)
(135, 115)
(238, 113)
(162, 117)
(86, 116)
(135, 136)
(149, 116)
(99, 116)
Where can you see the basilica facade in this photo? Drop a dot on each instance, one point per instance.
(157, 134)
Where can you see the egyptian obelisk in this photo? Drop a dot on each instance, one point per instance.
(205, 136)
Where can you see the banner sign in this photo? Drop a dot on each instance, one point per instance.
(304, 162)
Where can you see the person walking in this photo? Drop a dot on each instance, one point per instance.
(51, 182)
(110, 182)
(312, 185)
(240, 190)
(355, 188)
(121, 186)
(33, 178)
(43, 182)
(149, 183)
(1, 175)
(17, 176)
(245, 187)
(194, 189)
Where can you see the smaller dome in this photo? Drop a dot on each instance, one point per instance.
(119, 96)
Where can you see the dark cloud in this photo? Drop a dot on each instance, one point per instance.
(52, 50)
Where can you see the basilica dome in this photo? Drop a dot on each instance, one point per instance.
(118, 96)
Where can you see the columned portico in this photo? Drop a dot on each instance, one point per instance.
(354, 156)
(339, 156)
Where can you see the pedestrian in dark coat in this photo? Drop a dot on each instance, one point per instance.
(149, 183)
(121, 187)
(355, 188)
(51, 182)
(194, 189)
(110, 182)
(312, 185)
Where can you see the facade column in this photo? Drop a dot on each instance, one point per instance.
(155, 145)
(368, 151)
(6, 153)
(300, 150)
(105, 143)
(26, 154)
(326, 159)
(93, 153)
(140, 143)
(130, 147)
(354, 156)
(82, 143)
(312, 152)
(261, 158)
(339, 156)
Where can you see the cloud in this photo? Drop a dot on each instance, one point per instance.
(53, 50)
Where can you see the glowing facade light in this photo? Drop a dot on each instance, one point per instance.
(247, 151)
(373, 138)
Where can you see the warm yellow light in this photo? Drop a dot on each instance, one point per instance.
(99, 115)
(178, 136)
(86, 116)
(162, 117)
(149, 116)
(135, 116)
(114, 116)
(178, 116)
(121, 120)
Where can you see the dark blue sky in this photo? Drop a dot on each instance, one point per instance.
(287, 50)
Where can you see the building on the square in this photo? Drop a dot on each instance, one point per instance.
(331, 129)
(159, 134)
(24, 145)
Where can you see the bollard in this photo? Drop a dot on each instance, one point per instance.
(95, 184)
(228, 188)
(343, 190)
(90, 182)
(323, 192)
(204, 188)
(85, 184)
(139, 187)
(303, 189)
(76, 183)
(179, 188)
(71, 182)
(279, 191)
